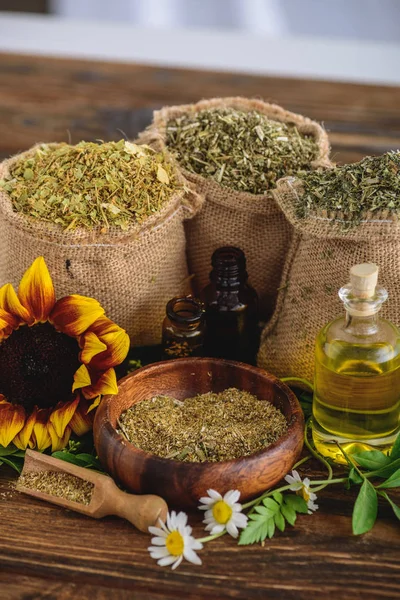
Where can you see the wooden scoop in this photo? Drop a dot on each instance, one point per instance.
(107, 498)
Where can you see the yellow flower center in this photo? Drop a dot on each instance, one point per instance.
(304, 493)
(175, 543)
(37, 366)
(222, 512)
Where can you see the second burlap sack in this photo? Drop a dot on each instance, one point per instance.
(131, 273)
(251, 222)
(318, 264)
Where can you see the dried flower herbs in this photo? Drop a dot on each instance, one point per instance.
(56, 483)
(91, 185)
(244, 151)
(353, 190)
(208, 427)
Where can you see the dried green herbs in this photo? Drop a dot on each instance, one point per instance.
(56, 483)
(371, 185)
(244, 151)
(91, 185)
(209, 427)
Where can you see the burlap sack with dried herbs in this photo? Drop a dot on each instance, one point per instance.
(318, 264)
(252, 222)
(131, 273)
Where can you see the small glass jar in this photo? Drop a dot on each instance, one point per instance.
(183, 328)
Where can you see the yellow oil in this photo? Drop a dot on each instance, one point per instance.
(356, 396)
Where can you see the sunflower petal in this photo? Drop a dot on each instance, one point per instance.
(91, 346)
(40, 430)
(7, 320)
(57, 442)
(107, 384)
(116, 340)
(74, 314)
(61, 416)
(81, 378)
(10, 303)
(82, 421)
(36, 290)
(95, 403)
(12, 420)
(24, 437)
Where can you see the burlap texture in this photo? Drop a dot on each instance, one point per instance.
(131, 273)
(318, 264)
(254, 223)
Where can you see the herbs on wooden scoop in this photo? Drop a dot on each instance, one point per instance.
(90, 185)
(244, 151)
(369, 186)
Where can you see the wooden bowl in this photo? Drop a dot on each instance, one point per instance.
(181, 484)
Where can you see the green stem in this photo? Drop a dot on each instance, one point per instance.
(210, 538)
(259, 499)
(300, 462)
(316, 454)
(349, 460)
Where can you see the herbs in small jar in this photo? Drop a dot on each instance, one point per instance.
(209, 427)
(244, 151)
(113, 184)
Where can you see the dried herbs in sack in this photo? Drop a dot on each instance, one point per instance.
(234, 150)
(108, 218)
(341, 217)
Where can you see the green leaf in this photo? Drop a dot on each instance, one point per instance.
(392, 482)
(271, 528)
(396, 509)
(371, 459)
(271, 504)
(354, 477)
(8, 450)
(297, 503)
(90, 460)
(14, 463)
(256, 530)
(365, 508)
(279, 521)
(68, 457)
(395, 453)
(278, 497)
(289, 513)
(388, 470)
(262, 510)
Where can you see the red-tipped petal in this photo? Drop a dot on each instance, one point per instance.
(24, 438)
(62, 414)
(117, 341)
(106, 384)
(12, 420)
(82, 421)
(74, 314)
(91, 345)
(41, 433)
(36, 290)
(57, 442)
(9, 302)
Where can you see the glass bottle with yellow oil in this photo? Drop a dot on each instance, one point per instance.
(357, 373)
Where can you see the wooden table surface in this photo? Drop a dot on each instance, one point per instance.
(48, 553)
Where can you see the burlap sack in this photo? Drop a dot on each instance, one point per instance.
(131, 273)
(254, 223)
(318, 264)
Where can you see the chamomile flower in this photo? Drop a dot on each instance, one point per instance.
(174, 541)
(302, 488)
(223, 513)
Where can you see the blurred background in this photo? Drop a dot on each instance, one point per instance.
(352, 40)
(96, 69)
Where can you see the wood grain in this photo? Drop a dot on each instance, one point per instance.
(49, 553)
(45, 99)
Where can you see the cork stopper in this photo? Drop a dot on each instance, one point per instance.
(364, 279)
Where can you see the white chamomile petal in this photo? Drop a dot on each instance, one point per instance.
(177, 562)
(166, 560)
(214, 495)
(306, 482)
(206, 501)
(157, 531)
(232, 529)
(232, 496)
(240, 520)
(191, 556)
(158, 541)
(158, 552)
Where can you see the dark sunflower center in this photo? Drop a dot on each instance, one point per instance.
(37, 366)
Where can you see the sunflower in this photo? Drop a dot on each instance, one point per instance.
(56, 360)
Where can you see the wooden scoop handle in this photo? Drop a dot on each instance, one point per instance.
(141, 511)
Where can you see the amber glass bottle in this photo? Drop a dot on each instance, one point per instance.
(231, 308)
(183, 328)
